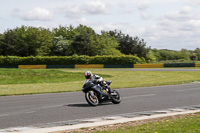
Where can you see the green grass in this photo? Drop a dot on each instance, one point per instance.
(29, 76)
(188, 124)
(33, 81)
(24, 76)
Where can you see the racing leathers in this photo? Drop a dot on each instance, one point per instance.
(96, 79)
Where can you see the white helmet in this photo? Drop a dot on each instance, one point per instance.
(88, 74)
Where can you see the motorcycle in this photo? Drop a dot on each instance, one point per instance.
(96, 93)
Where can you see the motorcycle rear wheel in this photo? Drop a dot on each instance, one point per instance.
(116, 99)
(92, 100)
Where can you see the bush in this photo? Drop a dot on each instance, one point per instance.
(125, 59)
(66, 60)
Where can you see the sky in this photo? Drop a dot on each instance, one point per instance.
(171, 24)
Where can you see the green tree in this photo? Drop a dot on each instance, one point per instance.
(129, 45)
(68, 33)
(106, 45)
(165, 54)
(184, 54)
(151, 57)
(82, 43)
(87, 42)
(61, 47)
(197, 53)
(27, 41)
(1, 43)
(8, 43)
(45, 41)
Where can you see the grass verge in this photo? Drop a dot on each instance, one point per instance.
(189, 123)
(34, 81)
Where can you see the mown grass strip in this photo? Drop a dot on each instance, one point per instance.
(176, 124)
(189, 123)
(30, 76)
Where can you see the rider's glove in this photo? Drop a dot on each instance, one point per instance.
(103, 83)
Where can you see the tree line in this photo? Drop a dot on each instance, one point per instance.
(27, 41)
(67, 41)
(182, 55)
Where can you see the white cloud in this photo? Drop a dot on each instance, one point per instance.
(106, 27)
(187, 13)
(175, 30)
(94, 7)
(113, 26)
(126, 11)
(194, 3)
(83, 21)
(87, 8)
(143, 5)
(34, 14)
(145, 15)
(71, 11)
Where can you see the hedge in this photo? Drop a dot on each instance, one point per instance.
(68, 60)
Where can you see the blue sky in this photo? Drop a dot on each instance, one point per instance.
(171, 24)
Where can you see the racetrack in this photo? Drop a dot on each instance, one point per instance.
(48, 108)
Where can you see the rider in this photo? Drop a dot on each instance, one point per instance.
(93, 78)
(96, 79)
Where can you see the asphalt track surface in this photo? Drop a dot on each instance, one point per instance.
(48, 108)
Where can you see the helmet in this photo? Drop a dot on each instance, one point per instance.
(88, 74)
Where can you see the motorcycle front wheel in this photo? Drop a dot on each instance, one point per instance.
(116, 99)
(91, 98)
